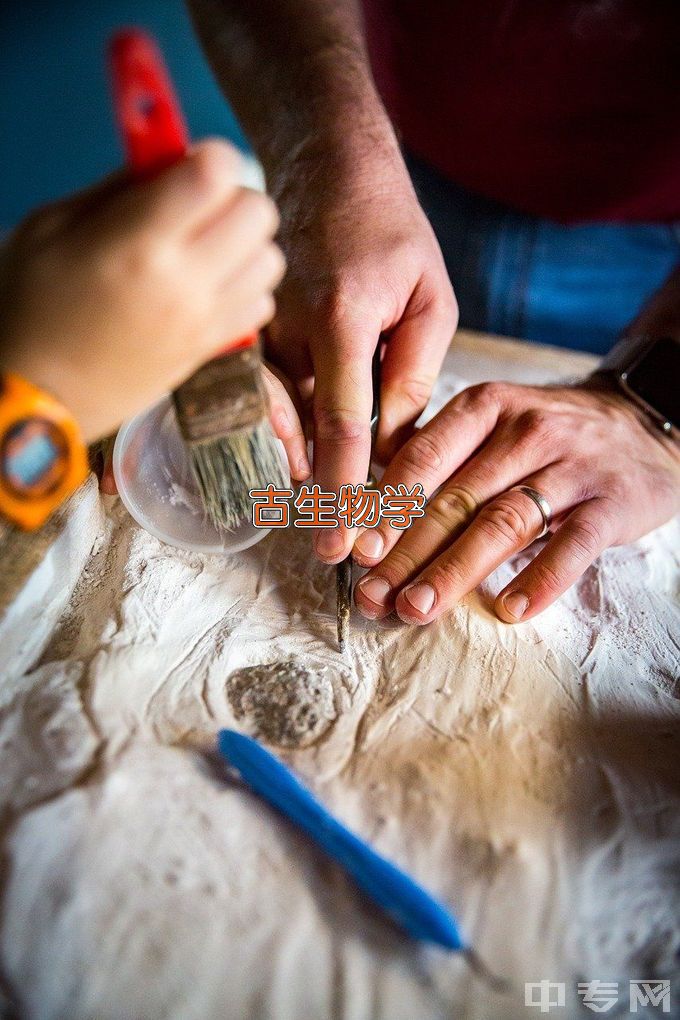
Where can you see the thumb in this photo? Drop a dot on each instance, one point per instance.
(413, 357)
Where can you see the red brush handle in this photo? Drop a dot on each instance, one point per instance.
(147, 110)
(148, 113)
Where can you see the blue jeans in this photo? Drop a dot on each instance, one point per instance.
(514, 274)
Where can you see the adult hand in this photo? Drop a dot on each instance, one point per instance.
(362, 259)
(363, 262)
(109, 299)
(609, 475)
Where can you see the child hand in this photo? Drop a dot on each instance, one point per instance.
(111, 298)
(284, 416)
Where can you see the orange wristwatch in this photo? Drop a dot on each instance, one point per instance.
(42, 456)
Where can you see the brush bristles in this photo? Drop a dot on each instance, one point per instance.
(228, 468)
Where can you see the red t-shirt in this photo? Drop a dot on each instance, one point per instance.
(567, 109)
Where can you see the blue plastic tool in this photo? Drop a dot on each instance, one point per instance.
(407, 903)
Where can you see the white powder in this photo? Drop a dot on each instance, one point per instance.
(527, 775)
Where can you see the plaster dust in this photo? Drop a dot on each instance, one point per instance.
(526, 775)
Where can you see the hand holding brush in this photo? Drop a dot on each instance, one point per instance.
(223, 408)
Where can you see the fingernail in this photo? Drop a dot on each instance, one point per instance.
(375, 588)
(369, 544)
(421, 597)
(515, 604)
(329, 543)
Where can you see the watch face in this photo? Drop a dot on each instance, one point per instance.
(656, 378)
(33, 458)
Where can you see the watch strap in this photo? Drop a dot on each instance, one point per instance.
(629, 354)
(627, 350)
(43, 459)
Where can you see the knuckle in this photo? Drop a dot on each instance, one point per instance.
(345, 299)
(416, 390)
(442, 306)
(339, 424)
(550, 579)
(447, 574)
(422, 454)
(452, 505)
(399, 566)
(616, 486)
(540, 430)
(587, 538)
(534, 421)
(338, 309)
(488, 394)
(506, 523)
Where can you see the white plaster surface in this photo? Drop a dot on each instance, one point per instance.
(528, 776)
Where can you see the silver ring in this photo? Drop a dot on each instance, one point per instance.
(541, 502)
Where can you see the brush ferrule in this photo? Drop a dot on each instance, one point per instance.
(227, 395)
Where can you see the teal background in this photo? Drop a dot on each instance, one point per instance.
(56, 129)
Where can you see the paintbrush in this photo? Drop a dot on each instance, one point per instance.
(343, 576)
(222, 410)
